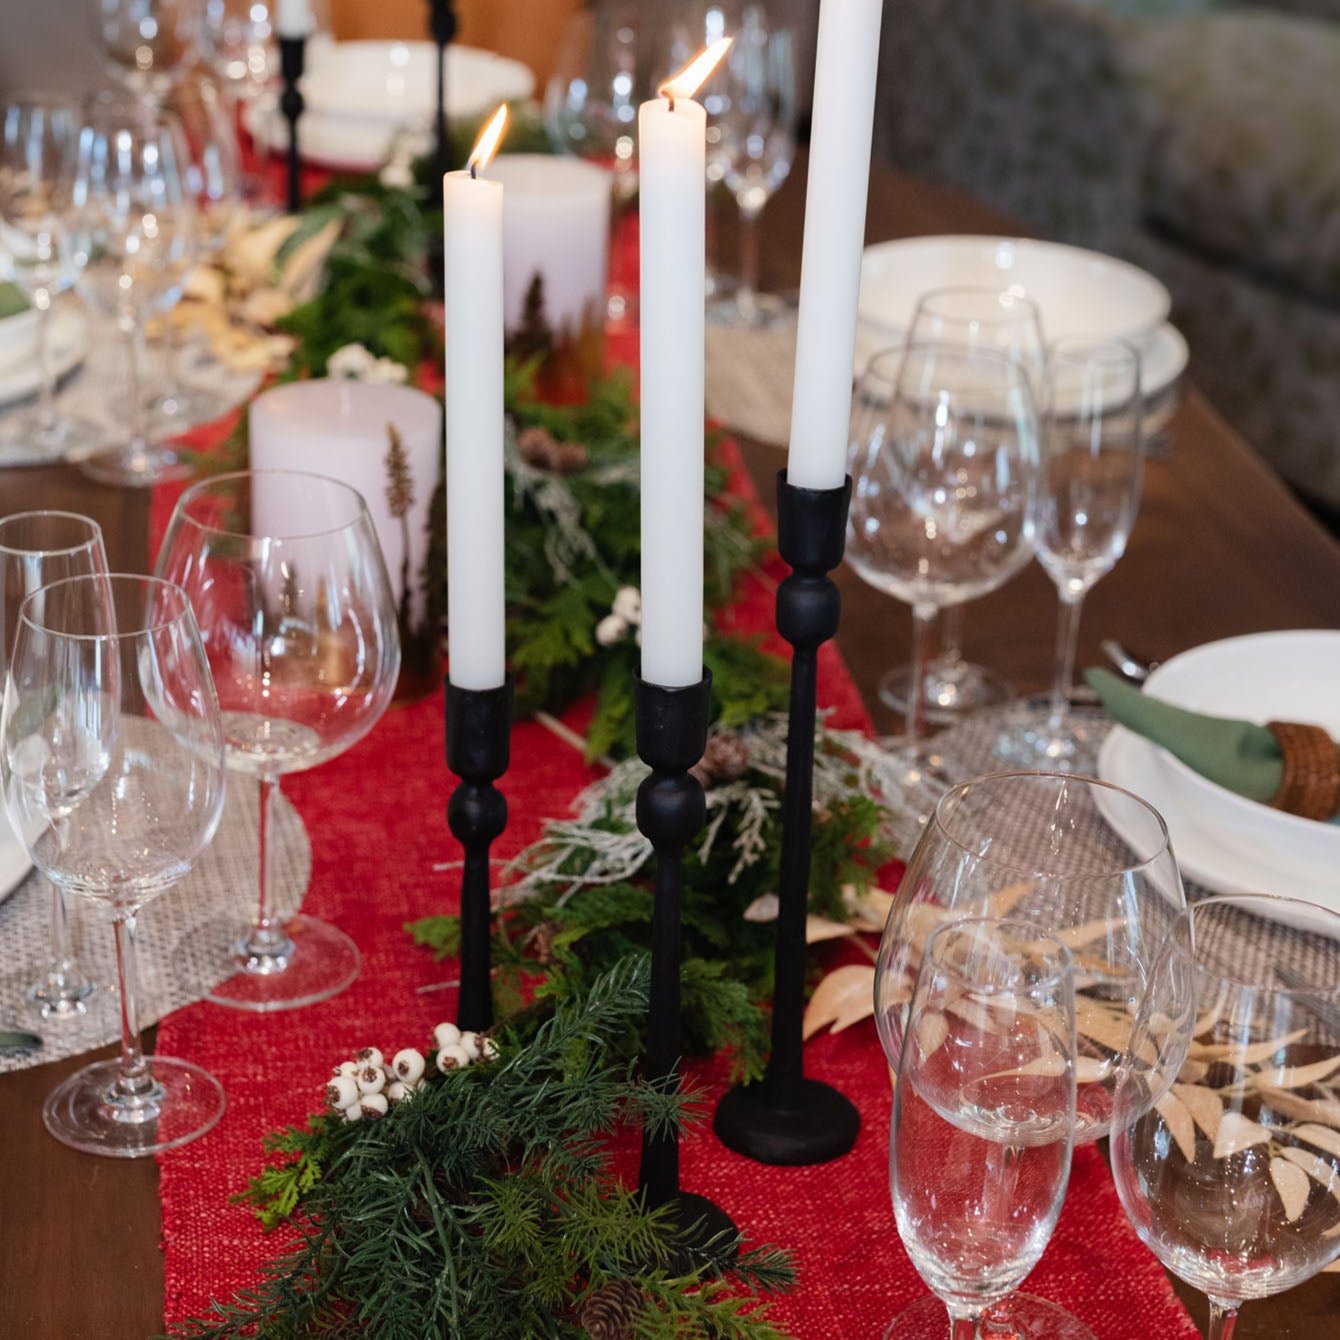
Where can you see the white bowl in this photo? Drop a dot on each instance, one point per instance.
(1079, 293)
(1289, 676)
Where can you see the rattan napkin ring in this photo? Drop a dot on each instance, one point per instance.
(1310, 783)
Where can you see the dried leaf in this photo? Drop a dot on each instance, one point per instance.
(1251, 1053)
(975, 1013)
(869, 910)
(1087, 1069)
(764, 908)
(1074, 937)
(844, 997)
(1003, 901)
(1319, 1169)
(1320, 1136)
(301, 276)
(1324, 1110)
(919, 922)
(1297, 1076)
(1204, 1105)
(1293, 1186)
(1192, 1071)
(932, 1030)
(1237, 1133)
(1101, 1024)
(1178, 1120)
(820, 928)
(1211, 1016)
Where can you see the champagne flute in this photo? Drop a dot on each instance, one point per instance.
(1226, 1131)
(111, 756)
(39, 139)
(943, 498)
(136, 216)
(1091, 491)
(979, 318)
(983, 1119)
(299, 624)
(36, 549)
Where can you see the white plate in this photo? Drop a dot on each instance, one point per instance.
(361, 96)
(1128, 760)
(1078, 292)
(69, 344)
(14, 862)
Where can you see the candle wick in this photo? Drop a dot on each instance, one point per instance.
(474, 171)
(671, 96)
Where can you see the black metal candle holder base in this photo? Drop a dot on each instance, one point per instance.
(786, 1118)
(671, 811)
(292, 56)
(479, 723)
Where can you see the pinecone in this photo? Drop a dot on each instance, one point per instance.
(608, 1313)
(541, 941)
(726, 759)
(572, 457)
(538, 447)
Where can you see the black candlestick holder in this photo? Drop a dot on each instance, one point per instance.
(442, 26)
(671, 810)
(786, 1118)
(292, 55)
(479, 725)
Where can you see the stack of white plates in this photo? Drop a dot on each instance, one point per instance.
(1222, 840)
(1078, 292)
(361, 96)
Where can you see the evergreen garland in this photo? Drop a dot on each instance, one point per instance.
(484, 1207)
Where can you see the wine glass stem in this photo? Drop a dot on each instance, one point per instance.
(267, 941)
(46, 400)
(963, 1325)
(747, 294)
(1067, 638)
(134, 1081)
(64, 983)
(1223, 1321)
(137, 443)
(951, 637)
(923, 617)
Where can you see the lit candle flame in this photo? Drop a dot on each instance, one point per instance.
(487, 143)
(692, 77)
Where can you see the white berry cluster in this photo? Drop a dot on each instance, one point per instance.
(367, 1087)
(625, 615)
(353, 362)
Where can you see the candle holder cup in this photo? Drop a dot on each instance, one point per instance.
(478, 749)
(786, 1118)
(671, 810)
(292, 57)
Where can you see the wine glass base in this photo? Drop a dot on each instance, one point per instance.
(915, 773)
(761, 311)
(134, 469)
(182, 407)
(1027, 738)
(1021, 1316)
(82, 1112)
(323, 961)
(26, 442)
(952, 690)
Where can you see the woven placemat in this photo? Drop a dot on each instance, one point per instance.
(222, 887)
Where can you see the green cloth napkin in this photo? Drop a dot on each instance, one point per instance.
(12, 302)
(1236, 754)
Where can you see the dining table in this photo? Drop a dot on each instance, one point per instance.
(1220, 548)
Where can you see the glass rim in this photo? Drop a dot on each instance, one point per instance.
(1089, 783)
(1028, 307)
(1185, 924)
(1065, 959)
(94, 538)
(143, 627)
(202, 487)
(900, 350)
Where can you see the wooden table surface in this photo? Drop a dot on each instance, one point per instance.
(1220, 548)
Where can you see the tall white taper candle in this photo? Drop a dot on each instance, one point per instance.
(473, 293)
(294, 18)
(844, 102)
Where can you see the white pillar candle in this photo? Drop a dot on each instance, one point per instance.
(294, 18)
(473, 292)
(556, 220)
(830, 280)
(672, 223)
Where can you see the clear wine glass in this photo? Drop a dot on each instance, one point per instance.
(983, 1119)
(39, 140)
(1087, 860)
(754, 145)
(943, 500)
(1226, 1132)
(299, 624)
(37, 549)
(144, 43)
(1091, 463)
(980, 318)
(111, 756)
(590, 110)
(136, 215)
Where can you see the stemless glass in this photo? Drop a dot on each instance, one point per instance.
(1091, 467)
(299, 624)
(111, 755)
(39, 140)
(37, 549)
(983, 1120)
(986, 318)
(137, 216)
(1226, 1131)
(754, 145)
(943, 497)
